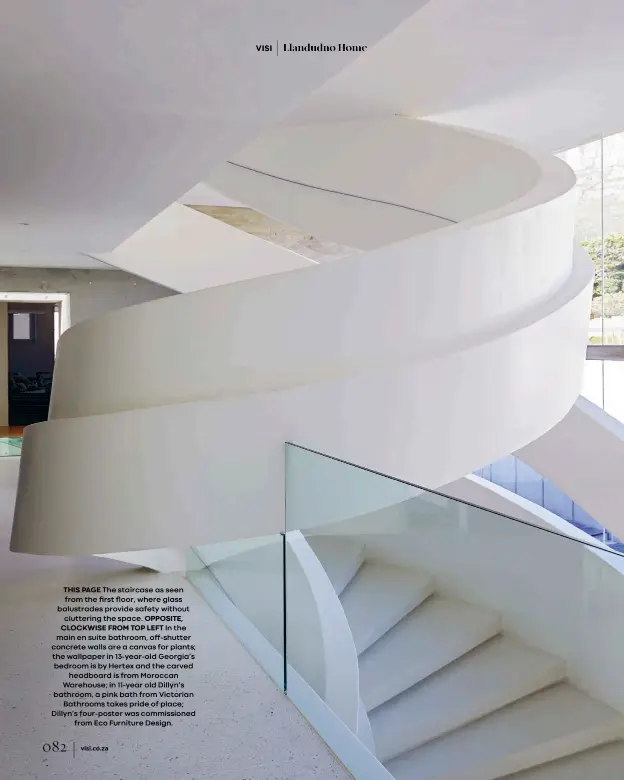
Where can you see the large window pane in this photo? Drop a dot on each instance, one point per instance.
(587, 162)
(613, 222)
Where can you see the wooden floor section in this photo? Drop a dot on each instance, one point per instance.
(11, 431)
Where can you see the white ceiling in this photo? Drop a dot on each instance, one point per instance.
(545, 71)
(111, 109)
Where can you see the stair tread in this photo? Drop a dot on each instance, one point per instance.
(379, 596)
(492, 676)
(340, 557)
(602, 763)
(433, 635)
(545, 726)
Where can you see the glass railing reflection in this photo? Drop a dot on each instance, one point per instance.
(401, 621)
(428, 618)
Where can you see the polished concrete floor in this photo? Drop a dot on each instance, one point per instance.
(244, 728)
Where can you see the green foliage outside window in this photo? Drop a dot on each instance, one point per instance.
(613, 263)
(612, 304)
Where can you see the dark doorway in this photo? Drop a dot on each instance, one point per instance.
(31, 334)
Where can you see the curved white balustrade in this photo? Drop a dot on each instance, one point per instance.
(423, 359)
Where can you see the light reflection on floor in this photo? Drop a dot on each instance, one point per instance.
(10, 447)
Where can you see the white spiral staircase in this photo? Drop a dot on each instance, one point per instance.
(446, 343)
(456, 335)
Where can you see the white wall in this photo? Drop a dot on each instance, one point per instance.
(207, 252)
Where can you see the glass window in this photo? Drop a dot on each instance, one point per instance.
(599, 168)
(587, 163)
(613, 223)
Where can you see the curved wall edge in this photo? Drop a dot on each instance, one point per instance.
(114, 481)
(245, 346)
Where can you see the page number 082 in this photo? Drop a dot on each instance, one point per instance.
(54, 747)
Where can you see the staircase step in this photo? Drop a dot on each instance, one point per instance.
(602, 763)
(432, 636)
(494, 675)
(543, 727)
(378, 597)
(340, 557)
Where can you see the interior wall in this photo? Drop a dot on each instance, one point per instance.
(92, 292)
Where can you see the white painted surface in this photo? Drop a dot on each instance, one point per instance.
(570, 606)
(432, 637)
(355, 756)
(545, 726)
(602, 763)
(364, 731)
(378, 597)
(472, 55)
(496, 674)
(488, 709)
(312, 355)
(341, 690)
(212, 553)
(207, 252)
(142, 448)
(336, 216)
(582, 455)
(341, 559)
(165, 560)
(409, 177)
(320, 644)
(167, 123)
(248, 329)
(162, 137)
